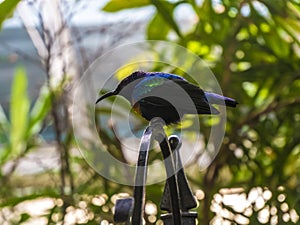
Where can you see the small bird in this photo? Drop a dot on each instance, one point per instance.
(168, 96)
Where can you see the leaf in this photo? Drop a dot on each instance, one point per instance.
(6, 9)
(277, 44)
(291, 26)
(117, 5)
(250, 88)
(39, 111)
(24, 217)
(19, 111)
(166, 11)
(157, 28)
(126, 70)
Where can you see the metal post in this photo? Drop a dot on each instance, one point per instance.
(125, 208)
(187, 199)
(140, 178)
(169, 161)
(177, 197)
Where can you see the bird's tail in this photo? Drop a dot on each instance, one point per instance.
(213, 98)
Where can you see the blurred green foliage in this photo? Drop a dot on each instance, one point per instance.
(253, 49)
(19, 131)
(19, 134)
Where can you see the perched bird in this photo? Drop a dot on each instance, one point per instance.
(168, 96)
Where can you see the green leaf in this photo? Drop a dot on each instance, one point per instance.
(166, 11)
(117, 5)
(250, 88)
(19, 111)
(157, 28)
(277, 44)
(24, 217)
(39, 111)
(291, 26)
(6, 9)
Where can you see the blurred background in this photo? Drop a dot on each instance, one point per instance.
(251, 46)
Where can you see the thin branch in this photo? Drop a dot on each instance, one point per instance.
(271, 107)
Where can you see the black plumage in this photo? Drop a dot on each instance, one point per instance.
(168, 96)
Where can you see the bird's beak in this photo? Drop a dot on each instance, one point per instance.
(108, 94)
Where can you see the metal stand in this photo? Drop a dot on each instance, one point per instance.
(177, 197)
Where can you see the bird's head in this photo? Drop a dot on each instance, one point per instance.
(126, 86)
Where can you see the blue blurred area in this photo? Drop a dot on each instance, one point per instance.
(16, 49)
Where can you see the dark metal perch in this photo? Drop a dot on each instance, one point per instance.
(177, 197)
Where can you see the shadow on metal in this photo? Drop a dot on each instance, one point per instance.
(177, 197)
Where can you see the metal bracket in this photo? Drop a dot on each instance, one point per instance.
(177, 197)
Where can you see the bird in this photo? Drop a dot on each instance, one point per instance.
(167, 96)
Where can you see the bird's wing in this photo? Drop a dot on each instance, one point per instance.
(185, 97)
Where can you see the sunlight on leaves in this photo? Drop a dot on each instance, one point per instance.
(39, 111)
(157, 28)
(126, 70)
(212, 120)
(250, 88)
(117, 5)
(19, 111)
